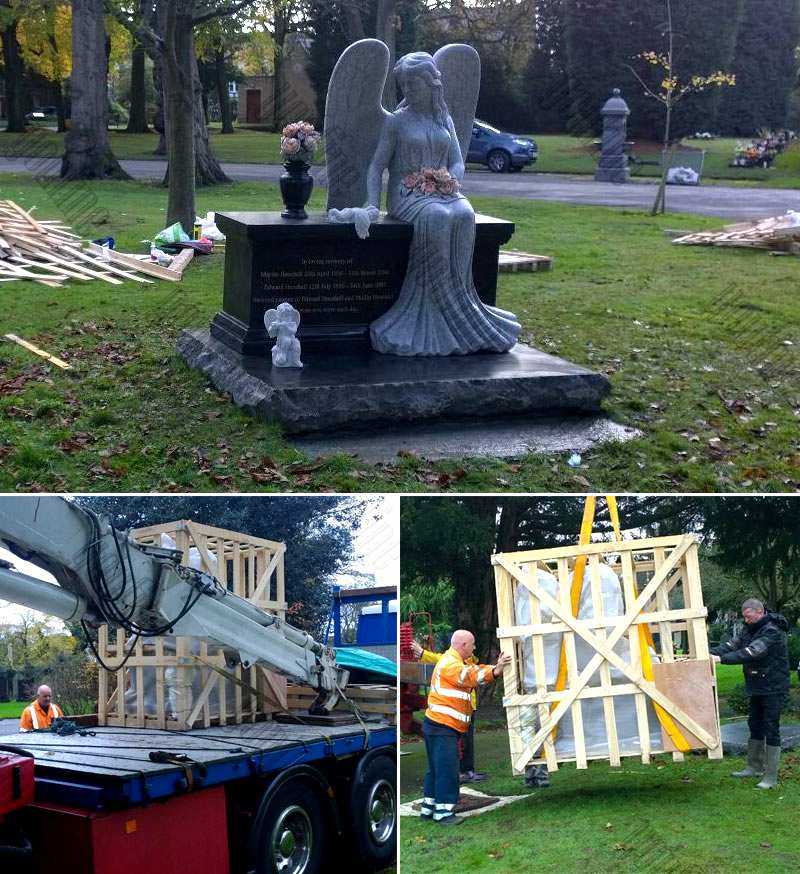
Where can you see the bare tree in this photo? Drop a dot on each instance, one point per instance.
(87, 152)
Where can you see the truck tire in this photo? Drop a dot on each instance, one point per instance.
(290, 832)
(373, 812)
(498, 161)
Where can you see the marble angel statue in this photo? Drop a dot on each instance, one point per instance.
(422, 144)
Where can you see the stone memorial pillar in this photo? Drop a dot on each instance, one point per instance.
(613, 165)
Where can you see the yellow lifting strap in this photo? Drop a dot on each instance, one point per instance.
(645, 635)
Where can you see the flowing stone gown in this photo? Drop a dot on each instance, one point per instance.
(438, 311)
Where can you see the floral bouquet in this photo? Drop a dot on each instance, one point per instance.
(430, 181)
(298, 141)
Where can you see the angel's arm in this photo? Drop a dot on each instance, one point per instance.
(455, 161)
(380, 161)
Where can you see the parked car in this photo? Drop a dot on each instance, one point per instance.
(41, 113)
(499, 151)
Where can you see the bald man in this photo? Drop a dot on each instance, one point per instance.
(40, 714)
(447, 719)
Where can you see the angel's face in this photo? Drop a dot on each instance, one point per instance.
(418, 93)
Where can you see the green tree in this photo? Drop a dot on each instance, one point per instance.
(766, 68)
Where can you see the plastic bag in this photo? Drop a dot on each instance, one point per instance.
(682, 176)
(173, 234)
(209, 229)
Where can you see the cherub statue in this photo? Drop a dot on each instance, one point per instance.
(422, 143)
(283, 323)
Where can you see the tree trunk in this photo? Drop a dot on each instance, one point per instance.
(158, 118)
(207, 168)
(137, 120)
(179, 116)
(385, 31)
(61, 111)
(222, 93)
(87, 152)
(14, 72)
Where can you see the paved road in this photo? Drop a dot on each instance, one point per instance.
(731, 203)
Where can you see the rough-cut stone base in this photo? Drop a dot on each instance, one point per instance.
(356, 390)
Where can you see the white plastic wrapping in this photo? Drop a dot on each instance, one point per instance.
(592, 712)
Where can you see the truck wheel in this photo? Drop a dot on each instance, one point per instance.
(290, 836)
(498, 161)
(373, 812)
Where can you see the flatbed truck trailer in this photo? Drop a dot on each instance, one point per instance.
(294, 798)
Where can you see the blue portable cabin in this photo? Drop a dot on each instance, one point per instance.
(377, 623)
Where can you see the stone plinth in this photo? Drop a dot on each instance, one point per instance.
(364, 388)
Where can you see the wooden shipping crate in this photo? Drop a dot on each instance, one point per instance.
(659, 586)
(170, 682)
(371, 700)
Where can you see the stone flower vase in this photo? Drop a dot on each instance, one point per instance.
(296, 187)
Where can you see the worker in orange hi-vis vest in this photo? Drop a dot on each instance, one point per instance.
(41, 713)
(466, 746)
(447, 718)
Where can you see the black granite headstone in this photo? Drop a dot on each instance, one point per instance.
(338, 282)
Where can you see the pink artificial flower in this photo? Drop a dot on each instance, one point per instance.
(290, 146)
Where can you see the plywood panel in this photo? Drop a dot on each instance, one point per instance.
(690, 684)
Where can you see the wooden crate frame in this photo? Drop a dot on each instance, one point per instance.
(655, 567)
(371, 700)
(250, 567)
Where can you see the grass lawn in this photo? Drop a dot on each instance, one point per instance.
(558, 153)
(12, 709)
(686, 818)
(692, 340)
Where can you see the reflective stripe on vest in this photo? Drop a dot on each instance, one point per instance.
(53, 713)
(442, 691)
(449, 711)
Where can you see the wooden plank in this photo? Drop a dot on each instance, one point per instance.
(161, 712)
(601, 548)
(635, 642)
(37, 351)
(540, 674)
(667, 616)
(609, 714)
(511, 684)
(148, 267)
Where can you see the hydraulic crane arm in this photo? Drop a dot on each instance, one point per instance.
(104, 576)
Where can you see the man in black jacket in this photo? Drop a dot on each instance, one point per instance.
(761, 649)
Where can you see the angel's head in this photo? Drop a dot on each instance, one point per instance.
(421, 83)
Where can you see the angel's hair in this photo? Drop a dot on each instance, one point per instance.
(422, 64)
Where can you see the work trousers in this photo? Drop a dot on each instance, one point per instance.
(765, 717)
(468, 748)
(441, 786)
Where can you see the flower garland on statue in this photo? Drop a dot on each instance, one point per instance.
(430, 181)
(298, 141)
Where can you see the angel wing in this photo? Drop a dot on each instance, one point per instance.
(354, 118)
(460, 66)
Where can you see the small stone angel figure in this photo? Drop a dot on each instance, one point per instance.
(438, 311)
(282, 323)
